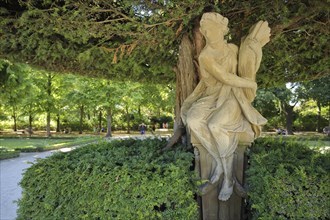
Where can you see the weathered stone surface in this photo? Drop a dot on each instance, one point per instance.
(219, 114)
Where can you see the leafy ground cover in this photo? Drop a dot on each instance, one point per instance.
(288, 179)
(121, 179)
(288, 176)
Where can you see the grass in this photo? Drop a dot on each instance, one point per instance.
(22, 143)
(311, 139)
(10, 147)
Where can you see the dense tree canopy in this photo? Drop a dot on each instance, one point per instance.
(77, 103)
(140, 39)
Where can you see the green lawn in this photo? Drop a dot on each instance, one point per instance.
(41, 144)
(311, 139)
(318, 144)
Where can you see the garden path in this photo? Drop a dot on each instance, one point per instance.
(11, 173)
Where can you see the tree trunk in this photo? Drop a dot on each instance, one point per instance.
(14, 118)
(288, 111)
(58, 124)
(319, 108)
(30, 125)
(187, 76)
(329, 113)
(139, 110)
(100, 121)
(81, 119)
(109, 123)
(128, 119)
(48, 109)
(48, 124)
(329, 118)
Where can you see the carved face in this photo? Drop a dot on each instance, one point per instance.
(213, 26)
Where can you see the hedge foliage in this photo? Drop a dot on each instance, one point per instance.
(6, 154)
(127, 179)
(288, 180)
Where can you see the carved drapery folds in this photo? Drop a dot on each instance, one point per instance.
(218, 113)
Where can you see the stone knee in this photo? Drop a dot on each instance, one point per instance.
(212, 125)
(215, 128)
(194, 123)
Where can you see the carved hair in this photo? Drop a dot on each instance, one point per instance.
(215, 17)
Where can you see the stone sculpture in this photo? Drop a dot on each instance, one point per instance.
(219, 114)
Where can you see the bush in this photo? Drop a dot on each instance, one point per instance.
(111, 180)
(287, 180)
(7, 154)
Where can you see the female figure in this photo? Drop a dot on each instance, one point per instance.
(218, 112)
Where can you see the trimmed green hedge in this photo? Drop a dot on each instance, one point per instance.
(127, 179)
(7, 154)
(288, 180)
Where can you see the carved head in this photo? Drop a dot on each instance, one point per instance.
(214, 21)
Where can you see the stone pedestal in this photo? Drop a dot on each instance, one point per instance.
(211, 207)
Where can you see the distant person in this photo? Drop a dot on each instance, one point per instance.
(164, 125)
(143, 128)
(280, 131)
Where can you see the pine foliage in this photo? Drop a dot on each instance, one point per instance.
(140, 39)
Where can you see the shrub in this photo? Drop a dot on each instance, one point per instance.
(7, 153)
(127, 179)
(309, 122)
(287, 180)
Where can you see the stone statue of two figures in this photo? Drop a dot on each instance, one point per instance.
(218, 114)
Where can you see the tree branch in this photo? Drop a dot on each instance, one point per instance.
(167, 23)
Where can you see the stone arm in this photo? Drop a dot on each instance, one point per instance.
(250, 54)
(210, 65)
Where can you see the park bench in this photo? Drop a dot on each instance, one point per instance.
(162, 132)
(20, 132)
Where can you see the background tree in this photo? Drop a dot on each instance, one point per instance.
(140, 40)
(160, 40)
(131, 101)
(288, 99)
(13, 88)
(80, 96)
(319, 91)
(268, 105)
(49, 101)
(107, 94)
(61, 87)
(32, 102)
